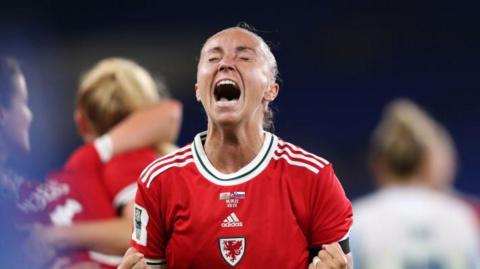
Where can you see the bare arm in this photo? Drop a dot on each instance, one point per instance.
(107, 236)
(160, 123)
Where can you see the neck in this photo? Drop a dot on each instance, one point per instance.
(231, 149)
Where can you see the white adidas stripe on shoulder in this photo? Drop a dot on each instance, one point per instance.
(154, 167)
(295, 163)
(306, 153)
(164, 159)
(299, 156)
(166, 167)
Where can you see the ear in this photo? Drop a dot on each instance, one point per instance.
(82, 123)
(272, 92)
(197, 93)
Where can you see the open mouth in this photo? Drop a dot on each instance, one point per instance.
(226, 90)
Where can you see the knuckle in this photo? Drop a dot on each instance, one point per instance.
(323, 255)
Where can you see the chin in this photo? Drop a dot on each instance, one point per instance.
(24, 147)
(227, 121)
(17, 145)
(226, 117)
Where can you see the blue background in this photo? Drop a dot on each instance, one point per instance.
(340, 63)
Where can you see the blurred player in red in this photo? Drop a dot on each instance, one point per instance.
(239, 196)
(108, 93)
(24, 202)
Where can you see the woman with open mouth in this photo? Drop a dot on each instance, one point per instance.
(239, 196)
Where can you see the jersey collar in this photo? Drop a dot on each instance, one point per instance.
(246, 173)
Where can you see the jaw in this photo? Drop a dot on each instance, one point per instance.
(227, 112)
(240, 115)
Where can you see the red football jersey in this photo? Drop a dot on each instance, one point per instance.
(266, 215)
(120, 175)
(112, 187)
(70, 195)
(87, 190)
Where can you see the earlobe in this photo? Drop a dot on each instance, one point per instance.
(271, 96)
(272, 92)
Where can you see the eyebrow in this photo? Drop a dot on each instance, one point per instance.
(215, 49)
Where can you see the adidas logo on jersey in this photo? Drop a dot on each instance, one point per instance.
(231, 221)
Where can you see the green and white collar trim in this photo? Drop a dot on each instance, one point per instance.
(243, 175)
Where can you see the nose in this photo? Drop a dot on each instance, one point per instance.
(226, 64)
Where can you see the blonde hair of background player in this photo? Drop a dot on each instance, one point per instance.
(408, 146)
(109, 92)
(115, 91)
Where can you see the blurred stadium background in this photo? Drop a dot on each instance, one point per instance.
(340, 63)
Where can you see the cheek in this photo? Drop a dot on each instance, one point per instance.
(15, 133)
(261, 76)
(24, 129)
(260, 82)
(27, 114)
(22, 119)
(204, 79)
(204, 72)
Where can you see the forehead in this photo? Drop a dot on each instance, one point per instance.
(232, 38)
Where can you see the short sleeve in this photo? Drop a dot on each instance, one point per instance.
(148, 236)
(331, 210)
(85, 157)
(121, 172)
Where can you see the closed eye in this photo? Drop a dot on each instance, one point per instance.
(213, 59)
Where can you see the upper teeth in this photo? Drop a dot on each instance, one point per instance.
(226, 81)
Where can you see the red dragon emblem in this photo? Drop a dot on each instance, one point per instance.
(232, 249)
